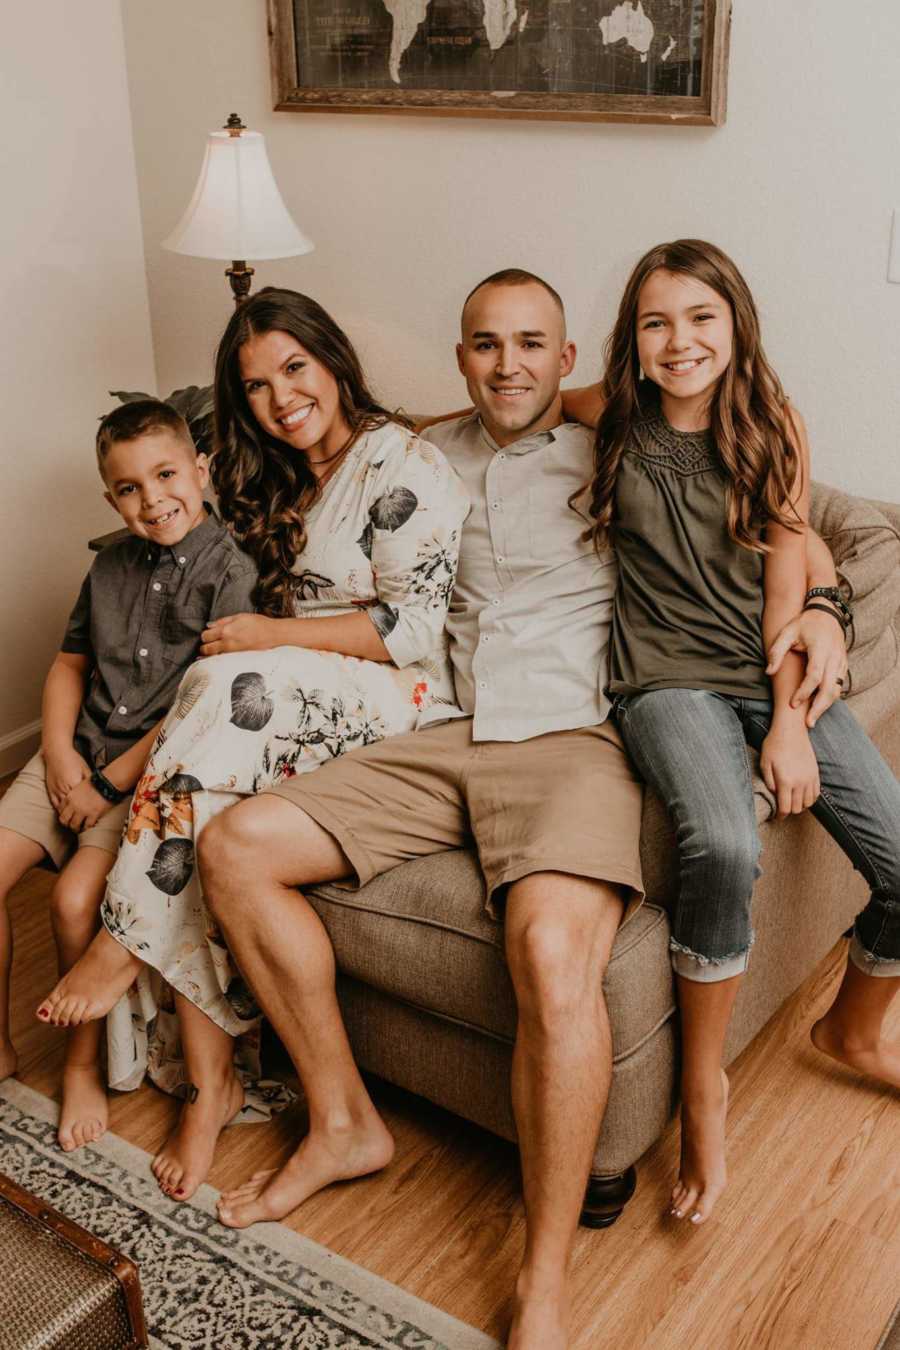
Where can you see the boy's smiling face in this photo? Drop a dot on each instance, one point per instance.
(156, 484)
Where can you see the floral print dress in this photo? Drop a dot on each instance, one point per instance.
(383, 536)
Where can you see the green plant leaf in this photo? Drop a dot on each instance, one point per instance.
(193, 402)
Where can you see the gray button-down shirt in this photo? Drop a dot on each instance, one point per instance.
(138, 617)
(530, 613)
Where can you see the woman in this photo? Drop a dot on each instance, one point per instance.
(354, 524)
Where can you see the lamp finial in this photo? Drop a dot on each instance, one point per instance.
(234, 126)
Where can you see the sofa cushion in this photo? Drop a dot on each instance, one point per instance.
(866, 549)
(420, 933)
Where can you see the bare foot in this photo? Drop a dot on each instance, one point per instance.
(9, 1060)
(540, 1321)
(185, 1158)
(701, 1178)
(85, 1111)
(880, 1059)
(94, 984)
(323, 1157)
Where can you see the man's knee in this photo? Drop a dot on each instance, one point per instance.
(232, 842)
(556, 967)
(264, 841)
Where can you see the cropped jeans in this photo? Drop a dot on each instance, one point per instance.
(689, 744)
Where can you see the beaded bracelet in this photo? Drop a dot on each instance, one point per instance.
(833, 594)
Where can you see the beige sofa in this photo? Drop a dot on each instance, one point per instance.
(423, 984)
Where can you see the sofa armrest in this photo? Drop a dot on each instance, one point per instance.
(864, 538)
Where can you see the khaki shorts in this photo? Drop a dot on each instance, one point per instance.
(27, 810)
(568, 801)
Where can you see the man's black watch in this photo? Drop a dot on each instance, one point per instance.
(107, 790)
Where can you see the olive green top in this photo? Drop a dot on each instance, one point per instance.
(688, 609)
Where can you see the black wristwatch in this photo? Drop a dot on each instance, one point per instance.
(831, 593)
(107, 790)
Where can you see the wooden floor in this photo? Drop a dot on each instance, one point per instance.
(803, 1253)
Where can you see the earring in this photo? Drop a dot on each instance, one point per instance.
(641, 375)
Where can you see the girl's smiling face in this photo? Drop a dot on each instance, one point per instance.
(685, 334)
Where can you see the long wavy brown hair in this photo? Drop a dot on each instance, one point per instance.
(750, 421)
(265, 487)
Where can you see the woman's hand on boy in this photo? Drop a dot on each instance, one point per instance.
(65, 770)
(822, 639)
(239, 633)
(788, 765)
(83, 807)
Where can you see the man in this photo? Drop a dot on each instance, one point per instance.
(527, 764)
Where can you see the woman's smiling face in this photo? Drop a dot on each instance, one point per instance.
(685, 333)
(292, 395)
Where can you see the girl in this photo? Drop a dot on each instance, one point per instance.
(702, 482)
(354, 524)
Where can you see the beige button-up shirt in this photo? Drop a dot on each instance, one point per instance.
(530, 613)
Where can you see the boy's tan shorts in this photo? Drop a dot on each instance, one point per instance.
(568, 801)
(26, 809)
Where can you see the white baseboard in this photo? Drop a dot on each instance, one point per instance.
(17, 747)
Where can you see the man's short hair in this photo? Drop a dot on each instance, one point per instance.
(517, 276)
(140, 417)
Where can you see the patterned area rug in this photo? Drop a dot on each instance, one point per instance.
(207, 1287)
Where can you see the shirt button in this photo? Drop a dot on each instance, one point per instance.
(495, 506)
(122, 709)
(496, 603)
(142, 652)
(500, 557)
(182, 561)
(486, 637)
(156, 586)
(501, 457)
(482, 684)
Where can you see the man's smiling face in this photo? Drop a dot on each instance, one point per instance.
(513, 355)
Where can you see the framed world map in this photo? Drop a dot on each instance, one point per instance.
(587, 60)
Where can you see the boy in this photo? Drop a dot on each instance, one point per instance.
(133, 633)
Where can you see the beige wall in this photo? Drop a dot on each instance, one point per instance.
(77, 321)
(408, 212)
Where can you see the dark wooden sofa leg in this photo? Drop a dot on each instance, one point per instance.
(606, 1197)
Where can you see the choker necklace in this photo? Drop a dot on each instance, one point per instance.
(340, 451)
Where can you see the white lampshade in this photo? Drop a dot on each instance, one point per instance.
(236, 210)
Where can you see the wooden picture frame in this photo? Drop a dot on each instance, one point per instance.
(349, 45)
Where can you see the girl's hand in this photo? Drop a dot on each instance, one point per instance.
(64, 772)
(239, 633)
(789, 768)
(83, 807)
